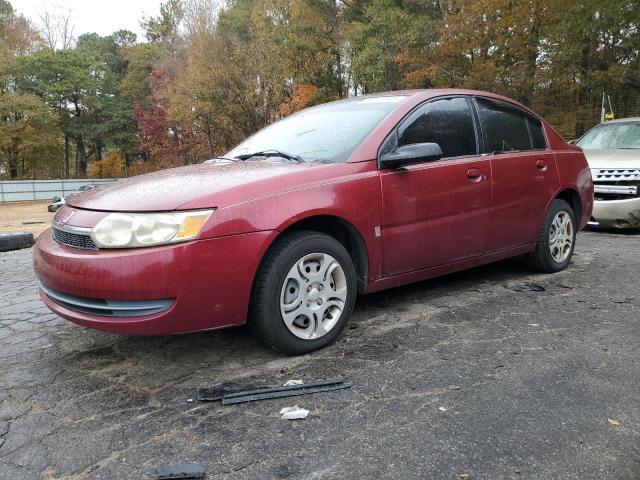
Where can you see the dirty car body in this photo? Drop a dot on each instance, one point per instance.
(484, 198)
(613, 152)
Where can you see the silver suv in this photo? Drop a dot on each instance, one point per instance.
(613, 152)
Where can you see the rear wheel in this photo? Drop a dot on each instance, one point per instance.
(303, 294)
(557, 239)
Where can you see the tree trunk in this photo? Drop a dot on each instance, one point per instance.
(533, 49)
(13, 164)
(66, 156)
(81, 158)
(207, 130)
(336, 46)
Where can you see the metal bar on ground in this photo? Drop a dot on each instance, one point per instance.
(231, 398)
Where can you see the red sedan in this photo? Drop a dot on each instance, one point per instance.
(346, 198)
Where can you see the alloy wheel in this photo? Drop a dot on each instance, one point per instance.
(561, 237)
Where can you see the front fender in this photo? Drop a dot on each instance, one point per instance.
(353, 198)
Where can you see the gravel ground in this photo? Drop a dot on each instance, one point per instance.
(25, 217)
(455, 378)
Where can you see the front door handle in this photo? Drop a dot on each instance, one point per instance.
(474, 174)
(542, 165)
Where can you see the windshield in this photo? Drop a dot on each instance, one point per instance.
(327, 133)
(612, 136)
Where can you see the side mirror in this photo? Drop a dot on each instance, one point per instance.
(418, 152)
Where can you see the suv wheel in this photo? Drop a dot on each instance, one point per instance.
(303, 294)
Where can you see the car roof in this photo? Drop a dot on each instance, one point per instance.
(429, 92)
(623, 120)
(419, 95)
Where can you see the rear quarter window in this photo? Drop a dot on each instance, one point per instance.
(505, 129)
(538, 140)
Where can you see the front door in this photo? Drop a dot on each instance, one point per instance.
(436, 212)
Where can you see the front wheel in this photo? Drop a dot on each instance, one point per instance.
(303, 294)
(557, 239)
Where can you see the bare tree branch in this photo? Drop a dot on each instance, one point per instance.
(56, 29)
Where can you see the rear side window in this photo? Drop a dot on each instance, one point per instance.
(538, 141)
(504, 128)
(447, 122)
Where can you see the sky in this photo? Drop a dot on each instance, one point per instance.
(99, 16)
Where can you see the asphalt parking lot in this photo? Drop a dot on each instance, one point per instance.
(455, 378)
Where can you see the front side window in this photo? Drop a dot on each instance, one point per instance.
(612, 136)
(504, 127)
(447, 122)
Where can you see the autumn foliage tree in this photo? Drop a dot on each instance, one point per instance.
(211, 73)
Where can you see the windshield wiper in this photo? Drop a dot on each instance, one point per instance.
(221, 158)
(271, 153)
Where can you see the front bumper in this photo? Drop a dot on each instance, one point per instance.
(187, 287)
(616, 214)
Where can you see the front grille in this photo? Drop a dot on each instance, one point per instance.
(615, 174)
(616, 183)
(72, 239)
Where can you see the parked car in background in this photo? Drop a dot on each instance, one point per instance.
(613, 152)
(341, 199)
(57, 202)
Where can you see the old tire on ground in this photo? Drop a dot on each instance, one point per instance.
(15, 241)
(303, 294)
(557, 239)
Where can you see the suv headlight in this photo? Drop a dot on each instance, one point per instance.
(129, 230)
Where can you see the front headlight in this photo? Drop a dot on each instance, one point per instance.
(128, 230)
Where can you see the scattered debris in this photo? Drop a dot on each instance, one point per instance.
(442, 409)
(293, 413)
(288, 383)
(182, 470)
(230, 397)
(33, 223)
(533, 324)
(525, 287)
(189, 400)
(614, 422)
(464, 475)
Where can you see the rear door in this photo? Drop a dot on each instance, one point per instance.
(524, 172)
(436, 212)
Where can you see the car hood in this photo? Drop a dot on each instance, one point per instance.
(207, 185)
(627, 159)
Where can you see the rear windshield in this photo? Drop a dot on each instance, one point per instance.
(327, 133)
(609, 136)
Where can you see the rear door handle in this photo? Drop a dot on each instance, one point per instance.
(474, 174)
(541, 164)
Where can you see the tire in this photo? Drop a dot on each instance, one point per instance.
(557, 239)
(294, 310)
(15, 241)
